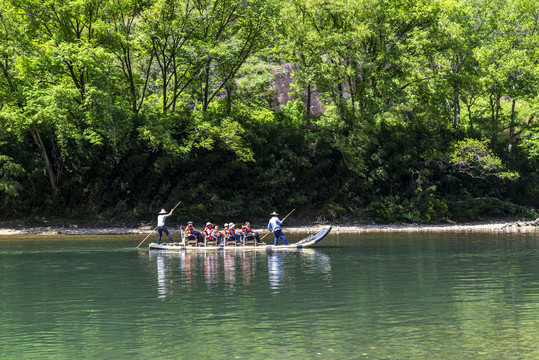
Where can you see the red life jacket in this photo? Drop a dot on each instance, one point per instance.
(216, 233)
(208, 230)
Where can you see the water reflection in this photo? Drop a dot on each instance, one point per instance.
(162, 277)
(275, 271)
(317, 262)
(211, 268)
(233, 269)
(375, 296)
(230, 270)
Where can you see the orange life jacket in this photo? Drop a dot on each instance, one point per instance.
(188, 229)
(246, 230)
(208, 230)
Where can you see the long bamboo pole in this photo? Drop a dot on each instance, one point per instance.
(281, 221)
(156, 226)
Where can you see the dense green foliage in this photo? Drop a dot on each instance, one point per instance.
(115, 109)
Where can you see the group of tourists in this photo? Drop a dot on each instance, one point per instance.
(213, 233)
(229, 233)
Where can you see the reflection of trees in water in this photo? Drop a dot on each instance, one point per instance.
(232, 268)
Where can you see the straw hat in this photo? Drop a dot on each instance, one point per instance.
(274, 214)
(163, 211)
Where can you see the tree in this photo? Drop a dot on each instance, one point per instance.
(450, 58)
(64, 82)
(18, 110)
(512, 78)
(120, 33)
(474, 158)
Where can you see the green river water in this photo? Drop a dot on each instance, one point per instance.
(362, 296)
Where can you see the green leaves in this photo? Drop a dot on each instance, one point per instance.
(473, 157)
(108, 89)
(10, 173)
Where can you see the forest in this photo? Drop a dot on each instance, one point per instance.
(418, 111)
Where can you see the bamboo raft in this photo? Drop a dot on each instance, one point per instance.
(248, 243)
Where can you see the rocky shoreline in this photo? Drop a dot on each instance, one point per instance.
(340, 228)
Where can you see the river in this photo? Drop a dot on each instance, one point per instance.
(355, 296)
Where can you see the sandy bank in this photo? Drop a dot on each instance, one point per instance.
(341, 228)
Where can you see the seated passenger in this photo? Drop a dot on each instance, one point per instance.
(246, 230)
(190, 230)
(226, 231)
(232, 233)
(217, 235)
(208, 230)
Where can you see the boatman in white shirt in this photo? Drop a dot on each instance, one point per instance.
(275, 226)
(161, 224)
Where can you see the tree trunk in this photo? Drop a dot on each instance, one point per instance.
(164, 79)
(456, 106)
(50, 171)
(228, 100)
(205, 95)
(512, 129)
(470, 119)
(308, 105)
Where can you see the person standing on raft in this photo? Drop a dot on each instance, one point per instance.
(275, 226)
(161, 224)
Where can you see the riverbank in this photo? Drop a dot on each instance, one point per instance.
(501, 226)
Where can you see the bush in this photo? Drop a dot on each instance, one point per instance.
(386, 211)
(432, 209)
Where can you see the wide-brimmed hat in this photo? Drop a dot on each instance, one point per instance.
(226, 224)
(189, 222)
(274, 214)
(208, 223)
(163, 211)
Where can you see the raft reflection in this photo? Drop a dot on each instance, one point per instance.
(186, 270)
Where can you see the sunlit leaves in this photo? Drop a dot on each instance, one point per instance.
(473, 157)
(530, 141)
